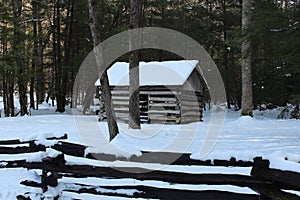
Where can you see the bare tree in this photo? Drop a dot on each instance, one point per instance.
(134, 102)
(97, 38)
(247, 96)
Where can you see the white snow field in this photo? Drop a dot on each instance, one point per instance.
(242, 137)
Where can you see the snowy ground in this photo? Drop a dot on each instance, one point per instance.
(242, 137)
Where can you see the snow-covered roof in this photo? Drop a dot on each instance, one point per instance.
(153, 73)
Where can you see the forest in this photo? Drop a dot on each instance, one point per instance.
(44, 42)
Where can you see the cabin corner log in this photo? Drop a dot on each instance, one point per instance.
(288, 178)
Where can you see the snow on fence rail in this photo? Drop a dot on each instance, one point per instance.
(268, 183)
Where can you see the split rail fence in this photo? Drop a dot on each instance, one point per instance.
(268, 183)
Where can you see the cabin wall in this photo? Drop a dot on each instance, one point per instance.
(191, 106)
(158, 104)
(192, 98)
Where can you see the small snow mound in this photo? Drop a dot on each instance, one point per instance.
(244, 120)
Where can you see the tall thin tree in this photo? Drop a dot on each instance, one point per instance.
(134, 102)
(40, 77)
(97, 38)
(247, 95)
(18, 49)
(60, 98)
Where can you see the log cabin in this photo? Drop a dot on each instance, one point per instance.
(170, 91)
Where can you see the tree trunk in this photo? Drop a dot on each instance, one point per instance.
(18, 45)
(134, 102)
(34, 56)
(37, 60)
(10, 96)
(31, 92)
(225, 56)
(67, 46)
(247, 96)
(4, 76)
(5, 96)
(40, 88)
(96, 34)
(60, 98)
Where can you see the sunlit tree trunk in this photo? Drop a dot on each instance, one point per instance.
(134, 102)
(247, 96)
(95, 27)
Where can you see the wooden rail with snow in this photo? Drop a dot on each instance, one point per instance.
(268, 183)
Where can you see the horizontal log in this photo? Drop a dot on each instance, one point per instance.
(120, 102)
(288, 178)
(156, 157)
(148, 192)
(176, 158)
(165, 193)
(116, 97)
(121, 109)
(31, 183)
(274, 192)
(163, 118)
(162, 99)
(158, 105)
(161, 88)
(21, 197)
(17, 141)
(12, 164)
(163, 112)
(19, 150)
(140, 174)
(160, 93)
(149, 88)
(70, 148)
(120, 93)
